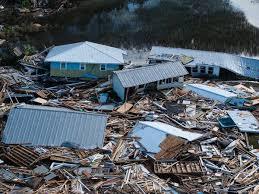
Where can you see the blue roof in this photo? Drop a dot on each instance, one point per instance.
(245, 66)
(49, 126)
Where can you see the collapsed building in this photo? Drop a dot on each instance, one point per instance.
(173, 133)
(208, 63)
(159, 76)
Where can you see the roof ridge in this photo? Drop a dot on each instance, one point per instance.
(87, 42)
(66, 45)
(207, 51)
(57, 109)
(147, 66)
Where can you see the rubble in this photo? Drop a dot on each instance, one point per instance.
(166, 141)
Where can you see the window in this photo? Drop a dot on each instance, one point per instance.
(169, 80)
(195, 69)
(141, 86)
(175, 79)
(111, 67)
(63, 66)
(161, 82)
(202, 69)
(82, 66)
(210, 70)
(103, 67)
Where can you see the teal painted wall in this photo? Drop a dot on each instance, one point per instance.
(54, 65)
(73, 70)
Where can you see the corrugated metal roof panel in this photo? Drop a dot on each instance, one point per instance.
(86, 52)
(48, 126)
(244, 66)
(211, 92)
(245, 121)
(151, 73)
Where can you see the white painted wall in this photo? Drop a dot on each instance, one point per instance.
(216, 70)
(170, 85)
(117, 87)
(120, 91)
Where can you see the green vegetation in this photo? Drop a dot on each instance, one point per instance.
(26, 3)
(29, 50)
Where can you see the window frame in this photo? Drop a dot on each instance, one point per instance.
(103, 65)
(210, 70)
(195, 68)
(162, 82)
(168, 80)
(82, 65)
(63, 63)
(141, 86)
(175, 79)
(203, 68)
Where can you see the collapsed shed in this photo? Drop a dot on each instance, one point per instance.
(159, 76)
(207, 63)
(156, 136)
(49, 126)
(213, 93)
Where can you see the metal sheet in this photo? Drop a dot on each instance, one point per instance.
(244, 66)
(151, 73)
(86, 52)
(245, 121)
(48, 126)
(213, 93)
(153, 133)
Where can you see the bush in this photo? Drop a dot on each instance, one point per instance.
(26, 3)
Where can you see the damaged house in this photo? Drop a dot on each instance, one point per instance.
(208, 63)
(160, 139)
(50, 126)
(84, 60)
(158, 76)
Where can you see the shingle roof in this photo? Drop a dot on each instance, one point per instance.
(47, 126)
(86, 52)
(244, 66)
(151, 73)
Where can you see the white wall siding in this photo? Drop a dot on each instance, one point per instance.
(211, 92)
(117, 87)
(170, 85)
(215, 73)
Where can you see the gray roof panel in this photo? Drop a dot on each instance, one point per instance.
(151, 73)
(244, 66)
(48, 126)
